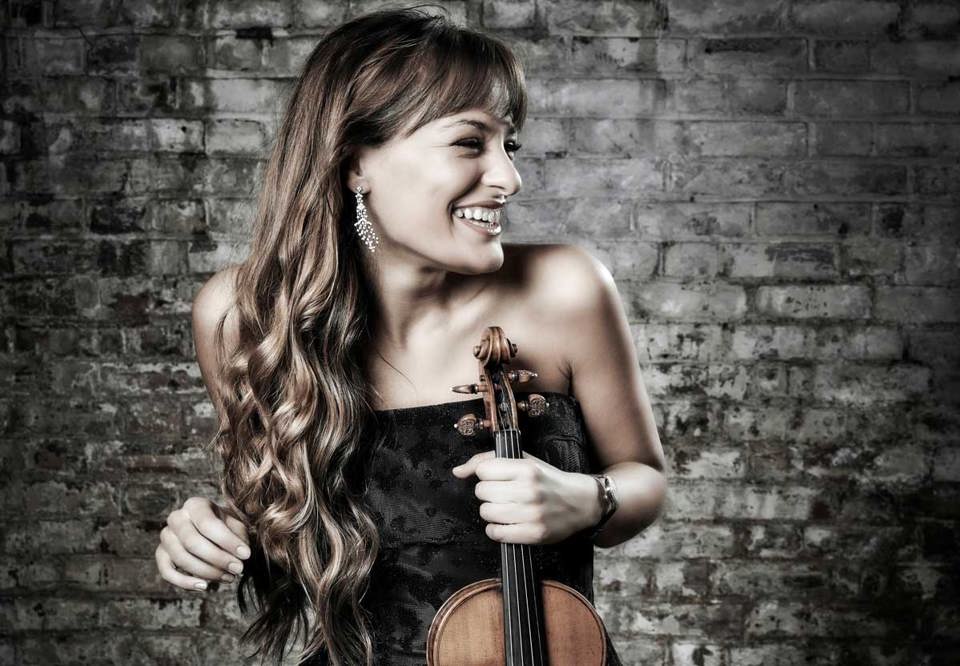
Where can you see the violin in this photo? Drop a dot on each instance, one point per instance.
(516, 619)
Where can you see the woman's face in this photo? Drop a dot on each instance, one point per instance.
(416, 184)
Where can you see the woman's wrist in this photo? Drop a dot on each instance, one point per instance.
(590, 502)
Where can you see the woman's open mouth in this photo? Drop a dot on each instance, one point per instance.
(491, 228)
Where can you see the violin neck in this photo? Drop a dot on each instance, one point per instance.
(523, 638)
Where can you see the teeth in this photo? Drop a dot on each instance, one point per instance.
(479, 214)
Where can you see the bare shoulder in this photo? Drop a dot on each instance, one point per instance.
(214, 301)
(582, 317)
(557, 294)
(561, 278)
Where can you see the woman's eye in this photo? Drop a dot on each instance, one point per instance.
(512, 146)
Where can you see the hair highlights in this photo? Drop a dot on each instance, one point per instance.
(296, 432)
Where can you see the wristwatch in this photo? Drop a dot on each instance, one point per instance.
(608, 501)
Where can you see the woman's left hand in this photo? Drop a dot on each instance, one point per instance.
(530, 501)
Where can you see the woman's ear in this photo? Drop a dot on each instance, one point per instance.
(353, 169)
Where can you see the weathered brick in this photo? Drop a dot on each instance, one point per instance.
(839, 139)
(939, 97)
(152, 134)
(171, 54)
(806, 219)
(912, 305)
(608, 18)
(746, 139)
(739, 501)
(609, 55)
(937, 180)
(845, 178)
(866, 383)
(627, 260)
(841, 56)
(918, 140)
(248, 13)
(803, 302)
(729, 96)
(926, 58)
(932, 264)
(783, 260)
(692, 16)
(770, 579)
(681, 221)
(149, 95)
(697, 342)
(102, 13)
(151, 613)
(31, 56)
(610, 98)
(508, 14)
(858, 17)
(572, 176)
(697, 619)
(114, 54)
(851, 98)
(748, 55)
(690, 260)
(876, 258)
(714, 301)
(314, 14)
(731, 176)
(234, 95)
(238, 137)
(778, 618)
(9, 137)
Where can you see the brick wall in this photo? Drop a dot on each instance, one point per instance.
(774, 184)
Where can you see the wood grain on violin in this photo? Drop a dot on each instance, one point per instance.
(515, 619)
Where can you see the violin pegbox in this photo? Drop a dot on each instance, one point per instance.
(496, 385)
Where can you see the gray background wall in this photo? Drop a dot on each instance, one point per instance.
(774, 184)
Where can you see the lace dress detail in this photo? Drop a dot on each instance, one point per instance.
(432, 536)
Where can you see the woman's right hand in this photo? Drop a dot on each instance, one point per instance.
(201, 543)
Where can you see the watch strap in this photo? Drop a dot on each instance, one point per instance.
(609, 501)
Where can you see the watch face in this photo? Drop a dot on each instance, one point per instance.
(610, 493)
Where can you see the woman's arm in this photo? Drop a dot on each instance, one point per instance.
(605, 378)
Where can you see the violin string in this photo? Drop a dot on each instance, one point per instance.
(508, 591)
(525, 562)
(536, 590)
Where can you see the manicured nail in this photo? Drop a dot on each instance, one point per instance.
(227, 578)
(243, 551)
(235, 567)
(200, 586)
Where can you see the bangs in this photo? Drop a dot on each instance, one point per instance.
(467, 70)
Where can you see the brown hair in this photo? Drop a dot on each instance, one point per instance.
(296, 428)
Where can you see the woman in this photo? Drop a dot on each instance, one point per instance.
(348, 312)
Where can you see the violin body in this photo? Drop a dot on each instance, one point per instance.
(516, 619)
(468, 630)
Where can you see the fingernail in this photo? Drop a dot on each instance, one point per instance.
(235, 567)
(226, 578)
(200, 586)
(243, 551)
(458, 468)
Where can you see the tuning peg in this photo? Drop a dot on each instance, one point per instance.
(469, 425)
(534, 405)
(467, 388)
(521, 376)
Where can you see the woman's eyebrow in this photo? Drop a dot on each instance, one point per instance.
(479, 124)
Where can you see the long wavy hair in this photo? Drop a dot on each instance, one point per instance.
(298, 423)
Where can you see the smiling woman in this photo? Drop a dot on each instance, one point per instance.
(329, 354)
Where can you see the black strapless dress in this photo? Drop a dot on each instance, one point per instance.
(432, 536)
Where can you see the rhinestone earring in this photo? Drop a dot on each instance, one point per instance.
(363, 226)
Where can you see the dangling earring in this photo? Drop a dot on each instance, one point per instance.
(363, 226)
